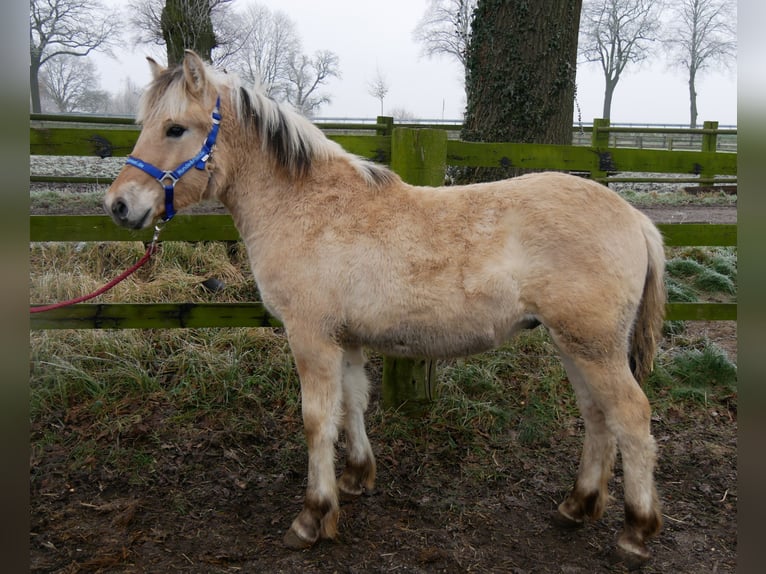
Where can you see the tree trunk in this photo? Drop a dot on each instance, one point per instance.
(692, 100)
(186, 24)
(520, 72)
(606, 112)
(34, 87)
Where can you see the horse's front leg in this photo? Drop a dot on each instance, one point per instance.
(319, 366)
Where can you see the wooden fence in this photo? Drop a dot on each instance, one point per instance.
(419, 155)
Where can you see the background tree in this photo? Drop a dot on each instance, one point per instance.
(188, 25)
(125, 102)
(616, 33)
(307, 74)
(270, 46)
(400, 113)
(445, 28)
(66, 27)
(701, 34)
(378, 87)
(520, 75)
(261, 45)
(176, 25)
(71, 85)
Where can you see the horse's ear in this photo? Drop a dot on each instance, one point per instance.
(194, 72)
(155, 67)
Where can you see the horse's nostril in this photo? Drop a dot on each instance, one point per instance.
(120, 209)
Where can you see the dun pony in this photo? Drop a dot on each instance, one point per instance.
(348, 257)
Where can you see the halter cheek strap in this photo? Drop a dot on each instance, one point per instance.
(168, 179)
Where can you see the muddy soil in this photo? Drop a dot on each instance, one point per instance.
(220, 502)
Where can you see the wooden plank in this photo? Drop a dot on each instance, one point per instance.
(531, 156)
(372, 147)
(56, 138)
(220, 227)
(154, 316)
(93, 140)
(701, 312)
(709, 234)
(580, 158)
(212, 227)
(199, 315)
(664, 161)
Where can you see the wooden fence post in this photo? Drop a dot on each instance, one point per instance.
(419, 156)
(599, 143)
(387, 121)
(709, 143)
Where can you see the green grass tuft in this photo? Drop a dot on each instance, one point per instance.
(683, 267)
(710, 281)
(697, 374)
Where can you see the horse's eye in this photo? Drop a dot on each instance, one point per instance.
(175, 131)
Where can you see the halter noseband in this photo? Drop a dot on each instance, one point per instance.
(168, 179)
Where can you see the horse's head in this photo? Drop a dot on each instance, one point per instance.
(169, 166)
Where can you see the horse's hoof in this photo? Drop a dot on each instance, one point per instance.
(632, 559)
(565, 522)
(349, 496)
(295, 541)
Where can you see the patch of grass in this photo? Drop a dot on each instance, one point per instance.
(684, 267)
(701, 274)
(678, 292)
(87, 200)
(699, 373)
(710, 281)
(60, 271)
(519, 387)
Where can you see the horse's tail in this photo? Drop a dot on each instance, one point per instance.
(647, 329)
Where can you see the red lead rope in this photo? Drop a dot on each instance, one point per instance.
(149, 252)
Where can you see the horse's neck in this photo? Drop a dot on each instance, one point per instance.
(255, 204)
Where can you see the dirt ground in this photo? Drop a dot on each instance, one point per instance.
(220, 502)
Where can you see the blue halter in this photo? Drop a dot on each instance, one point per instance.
(168, 179)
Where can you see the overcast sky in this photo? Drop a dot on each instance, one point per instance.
(368, 35)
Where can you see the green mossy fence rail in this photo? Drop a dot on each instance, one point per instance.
(419, 155)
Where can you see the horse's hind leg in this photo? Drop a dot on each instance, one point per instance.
(359, 473)
(319, 366)
(590, 494)
(626, 415)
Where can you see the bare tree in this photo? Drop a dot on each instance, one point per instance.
(125, 102)
(615, 34)
(269, 49)
(445, 28)
(261, 45)
(378, 87)
(71, 85)
(306, 76)
(66, 27)
(400, 113)
(702, 33)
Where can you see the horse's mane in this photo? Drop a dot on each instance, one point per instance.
(294, 142)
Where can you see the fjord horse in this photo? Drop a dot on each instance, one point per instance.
(349, 256)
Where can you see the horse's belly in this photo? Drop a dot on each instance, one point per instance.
(417, 340)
